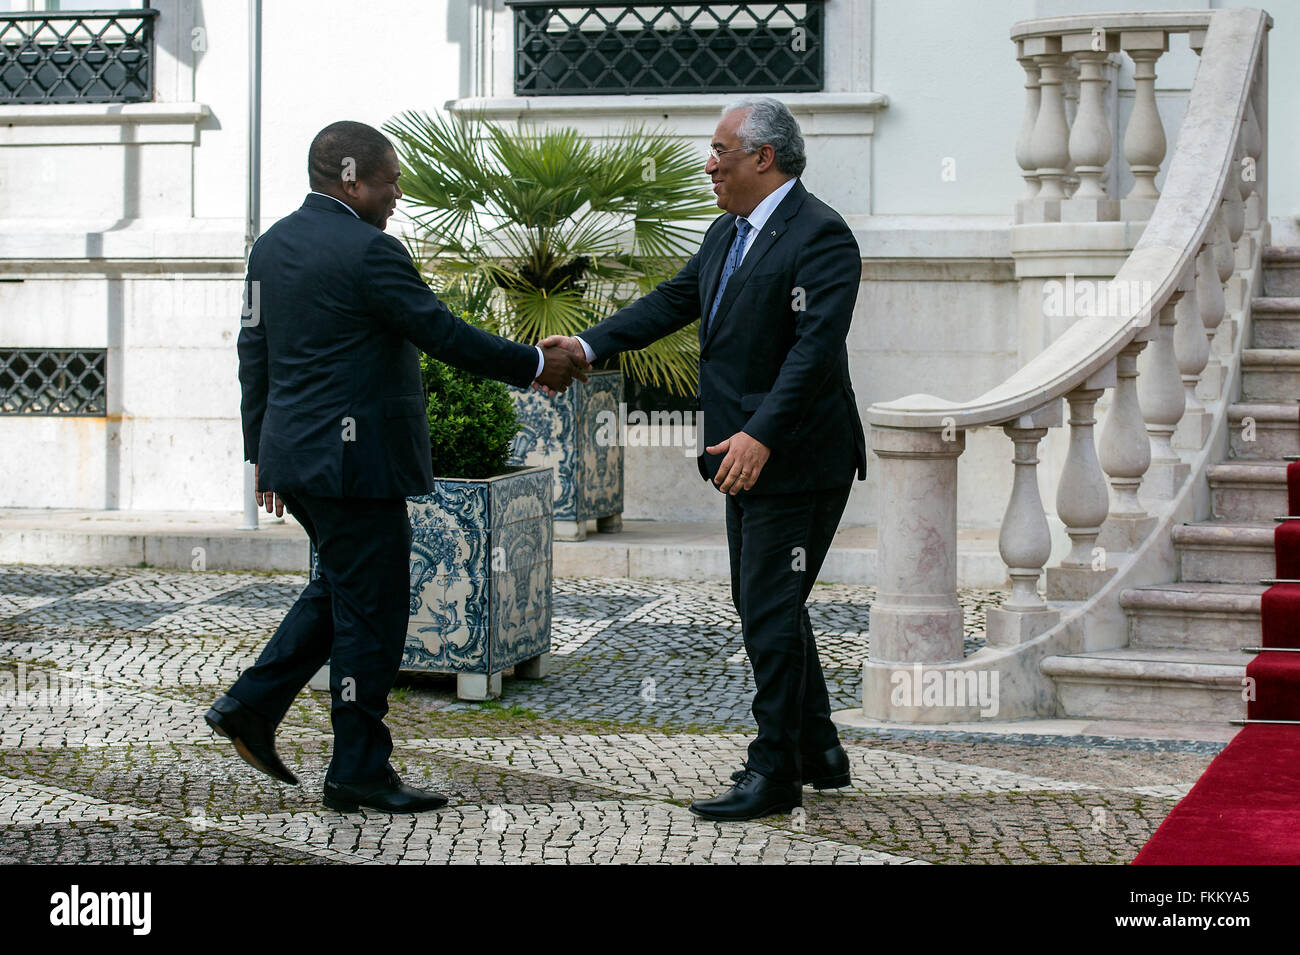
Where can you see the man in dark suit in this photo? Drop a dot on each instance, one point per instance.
(774, 282)
(334, 419)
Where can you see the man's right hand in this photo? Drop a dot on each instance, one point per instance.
(570, 344)
(268, 499)
(560, 366)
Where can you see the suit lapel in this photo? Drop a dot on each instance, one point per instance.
(770, 234)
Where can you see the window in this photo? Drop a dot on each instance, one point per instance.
(53, 382)
(592, 48)
(69, 57)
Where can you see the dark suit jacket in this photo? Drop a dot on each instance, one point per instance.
(328, 362)
(774, 363)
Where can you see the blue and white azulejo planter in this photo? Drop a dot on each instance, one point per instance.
(565, 433)
(480, 580)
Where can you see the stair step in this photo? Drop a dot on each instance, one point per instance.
(1270, 374)
(1281, 270)
(1150, 683)
(1225, 552)
(1274, 430)
(1276, 322)
(1201, 616)
(1251, 491)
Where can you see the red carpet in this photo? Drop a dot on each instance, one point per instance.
(1245, 809)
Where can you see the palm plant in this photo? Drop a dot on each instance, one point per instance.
(544, 232)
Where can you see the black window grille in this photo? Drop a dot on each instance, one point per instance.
(564, 48)
(53, 382)
(91, 57)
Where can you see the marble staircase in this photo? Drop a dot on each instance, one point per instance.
(1183, 660)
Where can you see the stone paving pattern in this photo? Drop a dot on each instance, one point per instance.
(104, 755)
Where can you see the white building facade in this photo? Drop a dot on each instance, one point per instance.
(122, 223)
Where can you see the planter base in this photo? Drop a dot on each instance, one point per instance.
(469, 686)
(534, 669)
(478, 686)
(610, 525)
(570, 530)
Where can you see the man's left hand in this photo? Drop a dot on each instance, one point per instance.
(745, 457)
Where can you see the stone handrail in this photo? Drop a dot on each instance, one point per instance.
(1168, 295)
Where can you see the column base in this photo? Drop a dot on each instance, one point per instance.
(1009, 628)
(1038, 211)
(1076, 583)
(1163, 479)
(1193, 430)
(904, 635)
(1125, 533)
(1089, 210)
(1136, 210)
(1210, 387)
(1244, 252)
(1225, 338)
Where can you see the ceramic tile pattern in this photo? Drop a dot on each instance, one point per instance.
(562, 433)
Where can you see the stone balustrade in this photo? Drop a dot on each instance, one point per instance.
(1064, 148)
(1160, 338)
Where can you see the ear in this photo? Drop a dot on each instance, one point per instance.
(766, 158)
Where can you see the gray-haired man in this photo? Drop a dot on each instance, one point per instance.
(774, 284)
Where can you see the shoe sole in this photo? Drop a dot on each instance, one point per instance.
(339, 806)
(824, 782)
(247, 755)
(775, 811)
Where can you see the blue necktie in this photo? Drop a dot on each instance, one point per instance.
(733, 263)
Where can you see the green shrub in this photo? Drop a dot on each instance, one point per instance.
(472, 421)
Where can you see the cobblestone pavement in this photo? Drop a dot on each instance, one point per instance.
(104, 755)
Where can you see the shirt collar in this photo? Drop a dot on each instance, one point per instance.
(763, 211)
(339, 201)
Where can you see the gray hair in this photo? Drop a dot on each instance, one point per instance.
(770, 123)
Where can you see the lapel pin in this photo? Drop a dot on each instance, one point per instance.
(773, 232)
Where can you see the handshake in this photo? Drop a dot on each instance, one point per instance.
(563, 360)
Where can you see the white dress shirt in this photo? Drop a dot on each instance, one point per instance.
(756, 219)
(541, 359)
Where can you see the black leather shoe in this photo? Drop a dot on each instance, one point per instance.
(828, 770)
(253, 736)
(753, 797)
(390, 795)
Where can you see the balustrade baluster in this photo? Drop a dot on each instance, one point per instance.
(1125, 454)
(1090, 138)
(1025, 541)
(1082, 498)
(1160, 393)
(1024, 153)
(1144, 137)
(1192, 347)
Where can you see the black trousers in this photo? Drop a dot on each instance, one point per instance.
(777, 545)
(354, 615)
